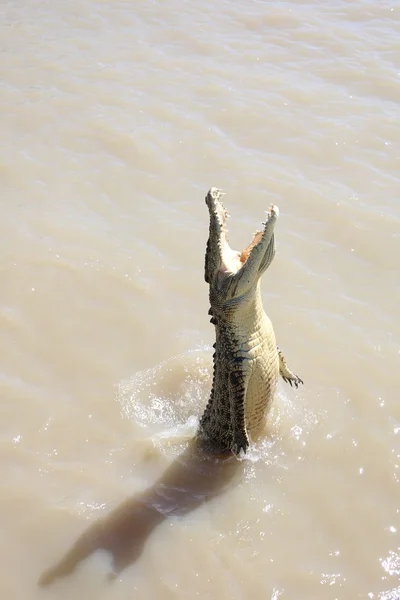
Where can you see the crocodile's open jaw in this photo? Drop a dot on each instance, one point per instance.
(221, 260)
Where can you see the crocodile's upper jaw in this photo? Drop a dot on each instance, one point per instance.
(223, 264)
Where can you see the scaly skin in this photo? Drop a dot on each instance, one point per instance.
(247, 361)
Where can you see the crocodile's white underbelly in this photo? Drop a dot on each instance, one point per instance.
(263, 377)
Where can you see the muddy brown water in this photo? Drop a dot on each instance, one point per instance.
(116, 118)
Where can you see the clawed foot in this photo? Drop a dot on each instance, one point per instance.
(294, 381)
(241, 442)
(286, 374)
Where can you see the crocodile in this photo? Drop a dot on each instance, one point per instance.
(247, 361)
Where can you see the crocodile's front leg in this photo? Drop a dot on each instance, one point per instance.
(286, 374)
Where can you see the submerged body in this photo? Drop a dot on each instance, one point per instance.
(247, 361)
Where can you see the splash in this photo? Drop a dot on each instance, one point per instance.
(168, 398)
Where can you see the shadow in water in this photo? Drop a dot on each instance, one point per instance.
(193, 478)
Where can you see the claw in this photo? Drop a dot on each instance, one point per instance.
(295, 381)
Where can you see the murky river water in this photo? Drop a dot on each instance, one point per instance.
(116, 118)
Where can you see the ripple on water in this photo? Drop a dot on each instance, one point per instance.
(167, 400)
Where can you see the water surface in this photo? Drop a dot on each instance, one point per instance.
(116, 118)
